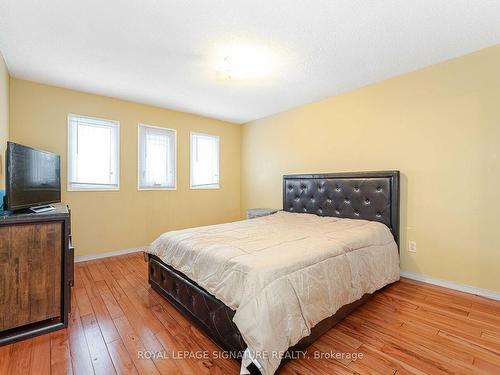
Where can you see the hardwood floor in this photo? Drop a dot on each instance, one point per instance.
(408, 328)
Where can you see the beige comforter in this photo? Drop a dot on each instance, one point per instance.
(283, 273)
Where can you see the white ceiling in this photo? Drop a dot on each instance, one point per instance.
(164, 52)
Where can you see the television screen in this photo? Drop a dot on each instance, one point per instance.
(32, 178)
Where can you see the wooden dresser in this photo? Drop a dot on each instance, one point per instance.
(36, 273)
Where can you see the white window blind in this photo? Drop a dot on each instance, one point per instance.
(157, 161)
(204, 161)
(93, 153)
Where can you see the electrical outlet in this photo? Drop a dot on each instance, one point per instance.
(412, 246)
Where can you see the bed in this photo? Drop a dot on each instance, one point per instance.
(279, 282)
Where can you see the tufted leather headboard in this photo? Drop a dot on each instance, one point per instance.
(355, 195)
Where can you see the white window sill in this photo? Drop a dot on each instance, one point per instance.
(205, 187)
(159, 188)
(115, 188)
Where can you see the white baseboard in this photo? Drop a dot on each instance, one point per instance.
(83, 258)
(452, 285)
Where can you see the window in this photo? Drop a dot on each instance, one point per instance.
(156, 158)
(204, 161)
(93, 153)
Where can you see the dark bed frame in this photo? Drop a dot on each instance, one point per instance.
(357, 195)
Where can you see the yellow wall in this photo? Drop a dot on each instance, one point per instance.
(4, 119)
(439, 126)
(106, 221)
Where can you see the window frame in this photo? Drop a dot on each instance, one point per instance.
(207, 186)
(139, 188)
(92, 187)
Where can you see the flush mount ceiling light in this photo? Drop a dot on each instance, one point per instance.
(245, 61)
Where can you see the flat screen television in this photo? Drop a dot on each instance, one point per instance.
(33, 177)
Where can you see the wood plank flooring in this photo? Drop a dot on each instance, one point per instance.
(407, 328)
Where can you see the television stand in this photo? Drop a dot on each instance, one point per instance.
(36, 273)
(40, 209)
